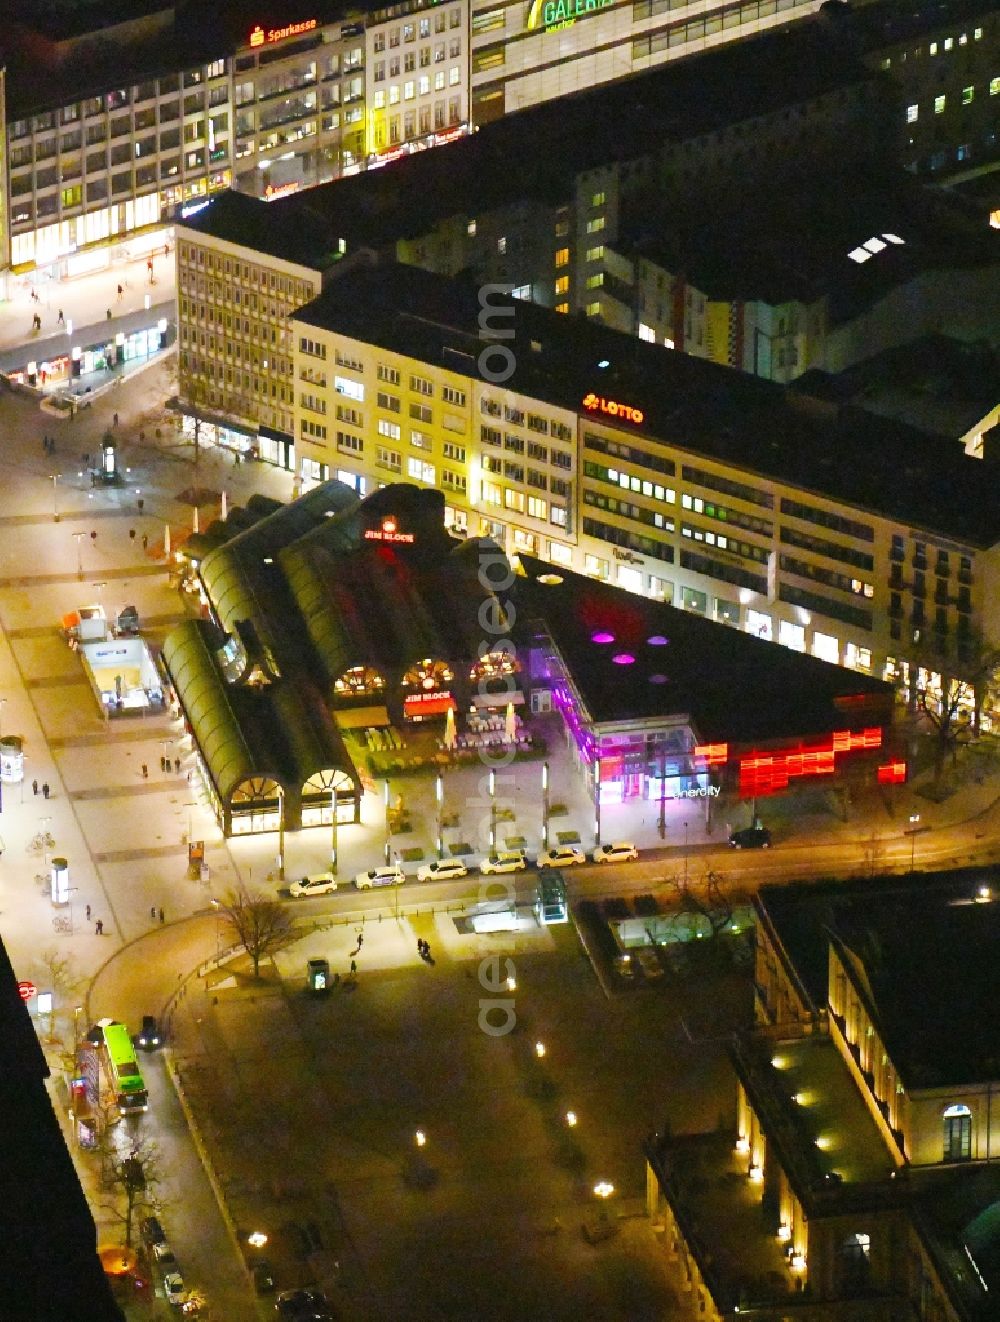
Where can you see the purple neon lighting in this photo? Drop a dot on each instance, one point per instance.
(584, 740)
(624, 659)
(602, 637)
(657, 679)
(657, 640)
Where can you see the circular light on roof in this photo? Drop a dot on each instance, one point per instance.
(550, 579)
(657, 679)
(623, 659)
(657, 640)
(602, 636)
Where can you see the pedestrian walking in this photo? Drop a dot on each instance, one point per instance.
(131, 534)
(149, 269)
(177, 766)
(45, 790)
(141, 503)
(361, 939)
(162, 917)
(88, 913)
(152, 913)
(354, 968)
(114, 420)
(34, 788)
(60, 320)
(145, 541)
(145, 772)
(99, 927)
(93, 534)
(121, 293)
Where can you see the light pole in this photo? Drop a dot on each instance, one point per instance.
(597, 801)
(78, 537)
(333, 828)
(545, 805)
(281, 833)
(439, 798)
(55, 496)
(385, 801)
(493, 810)
(914, 823)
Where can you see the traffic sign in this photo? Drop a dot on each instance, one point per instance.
(27, 990)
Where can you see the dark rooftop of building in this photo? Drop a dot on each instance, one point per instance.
(48, 1241)
(940, 385)
(710, 411)
(305, 240)
(803, 249)
(553, 143)
(631, 658)
(889, 21)
(919, 940)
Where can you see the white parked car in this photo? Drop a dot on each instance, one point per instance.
(320, 883)
(173, 1287)
(619, 852)
(163, 1255)
(507, 860)
(392, 876)
(446, 869)
(563, 856)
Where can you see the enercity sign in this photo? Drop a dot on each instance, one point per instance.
(258, 37)
(550, 15)
(699, 792)
(612, 408)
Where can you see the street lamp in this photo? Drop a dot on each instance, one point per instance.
(914, 823)
(55, 497)
(420, 1138)
(78, 537)
(539, 1049)
(385, 800)
(545, 805)
(493, 809)
(571, 1119)
(333, 828)
(281, 833)
(257, 1239)
(597, 801)
(439, 798)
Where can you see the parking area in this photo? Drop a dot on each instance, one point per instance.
(312, 1108)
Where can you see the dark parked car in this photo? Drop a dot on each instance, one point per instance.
(751, 837)
(151, 1232)
(300, 1305)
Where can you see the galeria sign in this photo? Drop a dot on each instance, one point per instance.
(547, 14)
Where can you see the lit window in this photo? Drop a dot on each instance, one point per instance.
(912, 113)
(593, 309)
(995, 87)
(647, 333)
(563, 308)
(562, 284)
(964, 39)
(595, 281)
(949, 43)
(939, 102)
(502, 245)
(977, 34)
(562, 257)
(596, 225)
(470, 229)
(598, 200)
(560, 553)
(967, 94)
(595, 254)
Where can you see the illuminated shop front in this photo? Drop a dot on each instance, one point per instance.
(665, 706)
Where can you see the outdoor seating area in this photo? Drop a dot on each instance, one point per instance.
(382, 740)
(493, 730)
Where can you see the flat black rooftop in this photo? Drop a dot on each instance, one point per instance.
(751, 250)
(926, 946)
(236, 218)
(847, 454)
(633, 658)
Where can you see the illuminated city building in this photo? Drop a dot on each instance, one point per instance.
(862, 1178)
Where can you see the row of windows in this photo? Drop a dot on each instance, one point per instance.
(604, 445)
(826, 519)
(830, 577)
(736, 518)
(833, 550)
(631, 541)
(627, 510)
(968, 95)
(700, 29)
(117, 99)
(835, 610)
(727, 486)
(703, 564)
(629, 482)
(726, 543)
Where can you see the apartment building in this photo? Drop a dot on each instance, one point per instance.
(861, 1180)
(234, 303)
(115, 130)
(943, 61)
(671, 477)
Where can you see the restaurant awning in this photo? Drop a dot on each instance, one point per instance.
(359, 718)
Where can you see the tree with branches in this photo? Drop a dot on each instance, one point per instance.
(130, 1173)
(968, 678)
(258, 923)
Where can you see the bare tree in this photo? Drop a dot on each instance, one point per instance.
(132, 1172)
(259, 924)
(968, 671)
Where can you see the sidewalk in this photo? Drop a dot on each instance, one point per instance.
(85, 300)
